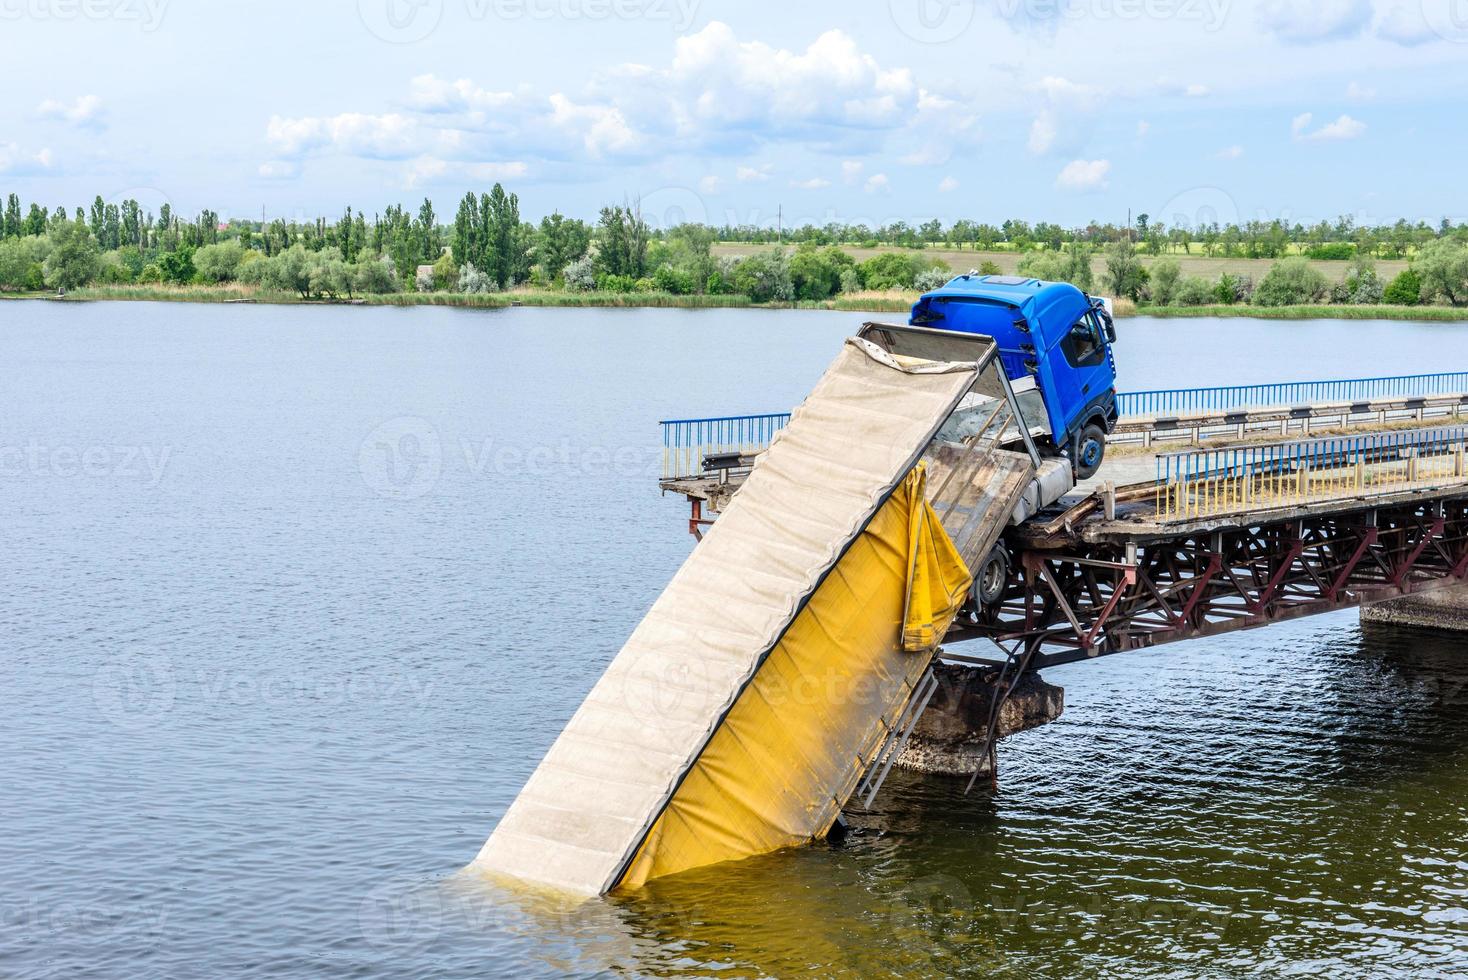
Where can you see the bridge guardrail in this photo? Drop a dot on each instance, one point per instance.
(1176, 400)
(1205, 482)
(687, 441)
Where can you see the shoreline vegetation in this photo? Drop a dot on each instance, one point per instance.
(488, 257)
(869, 302)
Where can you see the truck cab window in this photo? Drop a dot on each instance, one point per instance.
(1082, 345)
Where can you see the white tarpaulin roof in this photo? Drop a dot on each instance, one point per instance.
(608, 776)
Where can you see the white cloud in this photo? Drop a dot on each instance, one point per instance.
(432, 170)
(948, 185)
(386, 137)
(933, 154)
(1360, 93)
(717, 82)
(1344, 128)
(1188, 90)
(753, 175)
(716, 94)
(1406, 24)
(16, 162)
(877, 182)
(711, 184)
(1143, 128)
(1084, 175)
(602, 129)
(1064, 91)
(85, 110)
(814, 184)
(1313, 21)
(279, 169)
(851, 170)
(1042, 132)
(429, 93)
(1230, 152)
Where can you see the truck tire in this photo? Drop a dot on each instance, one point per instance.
(992, 577)
(1090, 451)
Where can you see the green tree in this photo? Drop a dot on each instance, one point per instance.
(1290, 282)
(560, 242)
(11, 227)
(1163, 277)
(1124, 273)
(219, 263)
(765, 277)
(1443, 268)
(21, 263)
(178, 265)
(73, 258)
(1405, 289)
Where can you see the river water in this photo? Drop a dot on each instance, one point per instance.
(295, 598)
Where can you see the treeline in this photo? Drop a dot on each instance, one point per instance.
(489, 247)
(1341, 239)
(1438, 273)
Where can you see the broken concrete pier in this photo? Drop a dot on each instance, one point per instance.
(1441, 609)
(950, 737)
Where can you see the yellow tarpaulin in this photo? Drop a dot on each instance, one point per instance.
(796, 740)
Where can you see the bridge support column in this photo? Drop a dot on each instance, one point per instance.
(949, 738)
(1443, 609)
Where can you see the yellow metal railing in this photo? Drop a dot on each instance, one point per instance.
(1213, 482)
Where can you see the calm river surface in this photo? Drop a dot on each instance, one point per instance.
(294, 599)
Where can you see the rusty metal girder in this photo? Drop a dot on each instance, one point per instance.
(1084, 601)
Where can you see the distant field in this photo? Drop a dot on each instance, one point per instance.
(1008, 262)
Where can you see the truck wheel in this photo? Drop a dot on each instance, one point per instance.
(1090, 451)
(993, 576)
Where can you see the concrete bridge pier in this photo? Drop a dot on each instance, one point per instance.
(950, 736)
(1441, 609)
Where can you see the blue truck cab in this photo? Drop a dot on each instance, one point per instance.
(1053, 339)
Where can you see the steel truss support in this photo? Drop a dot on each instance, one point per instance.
(1088, 601)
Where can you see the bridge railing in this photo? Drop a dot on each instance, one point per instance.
(688, 442)
(1219, 481)
(1172, 401)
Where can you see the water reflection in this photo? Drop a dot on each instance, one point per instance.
(1239, 804)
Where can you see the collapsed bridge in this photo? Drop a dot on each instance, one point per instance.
(903, 505)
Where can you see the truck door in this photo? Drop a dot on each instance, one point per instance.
(1086, 374)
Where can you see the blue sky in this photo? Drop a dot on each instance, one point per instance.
(869, 110)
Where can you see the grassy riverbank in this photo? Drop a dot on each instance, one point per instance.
(893, 301)
(1445, 314)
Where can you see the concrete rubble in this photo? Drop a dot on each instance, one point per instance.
(949, 738)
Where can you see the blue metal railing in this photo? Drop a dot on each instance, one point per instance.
(686, 442)
(1173, 401)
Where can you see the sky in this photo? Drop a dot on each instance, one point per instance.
(741, 110)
